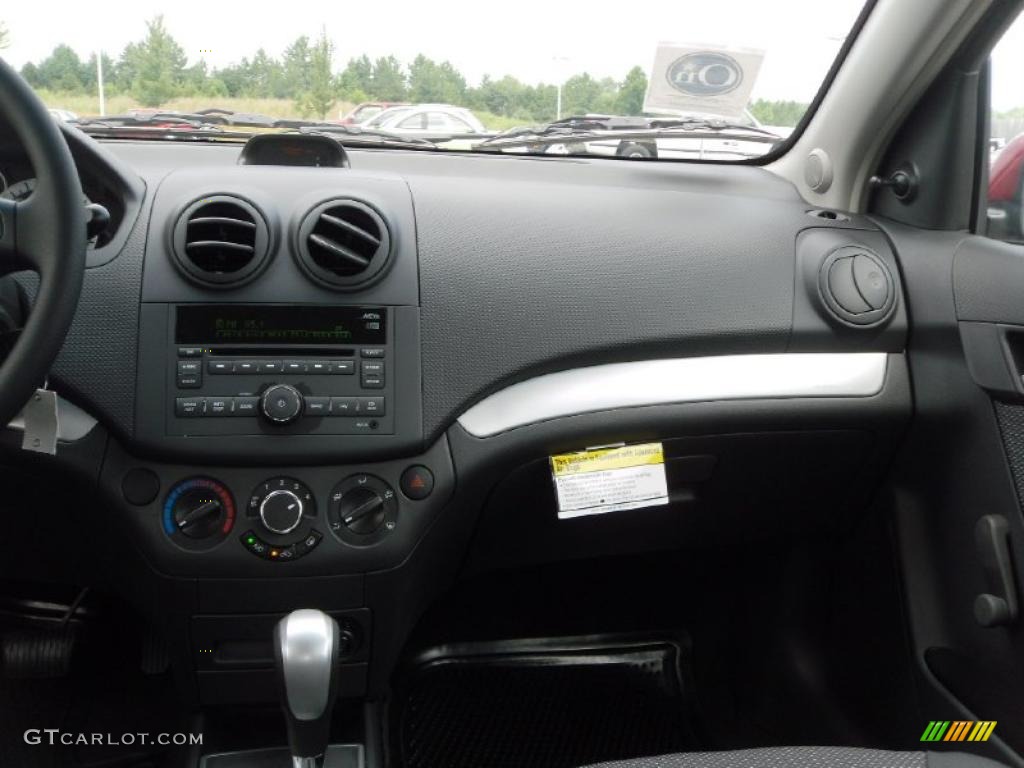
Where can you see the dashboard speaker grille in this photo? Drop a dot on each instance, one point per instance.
(343, 244)
(220, 241)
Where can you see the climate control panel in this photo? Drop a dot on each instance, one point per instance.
(238, 521)
(282, 519)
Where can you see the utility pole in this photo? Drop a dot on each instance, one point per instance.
(560, 66)
(99, 83)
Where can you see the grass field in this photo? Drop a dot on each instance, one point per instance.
(87, 106)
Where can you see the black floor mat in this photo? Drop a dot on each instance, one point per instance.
(544, 705)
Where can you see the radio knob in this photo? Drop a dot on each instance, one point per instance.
(281, 512)
(281, 404)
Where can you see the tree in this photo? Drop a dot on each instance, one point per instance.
(321, 95)
(630, 100)
(5, 36)
(266, 76)
(62, 70)
(356, 80)
(388, 81)
(31, 74)
(155, 67)
(433, 82)
(777, 112)
(296, 65)
(579, 94)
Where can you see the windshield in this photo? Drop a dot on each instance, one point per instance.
(688, 80)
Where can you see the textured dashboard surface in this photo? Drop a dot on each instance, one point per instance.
(521, 277)
(96, 366)
(526, 266)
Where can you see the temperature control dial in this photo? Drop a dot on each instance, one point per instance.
(363, 509)
(198, 512)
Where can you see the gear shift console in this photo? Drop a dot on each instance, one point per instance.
(307, 651)
(307, 654)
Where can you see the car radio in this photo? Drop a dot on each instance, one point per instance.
(254, 369)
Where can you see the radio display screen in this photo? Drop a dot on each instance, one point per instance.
(279, 325)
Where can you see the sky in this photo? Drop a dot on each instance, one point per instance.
(533, 41)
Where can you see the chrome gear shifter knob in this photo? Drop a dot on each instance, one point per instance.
(307, 652)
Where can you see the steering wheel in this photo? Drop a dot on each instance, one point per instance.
(45, 233)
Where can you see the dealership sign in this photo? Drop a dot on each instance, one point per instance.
(689, 78)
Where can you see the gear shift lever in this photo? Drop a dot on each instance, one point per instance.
(307, 653)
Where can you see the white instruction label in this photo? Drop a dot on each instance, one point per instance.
(609, 480)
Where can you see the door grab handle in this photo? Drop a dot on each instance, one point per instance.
(992, 537)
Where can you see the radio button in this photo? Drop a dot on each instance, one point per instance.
(372, 382)
(342, 367)
(189, 407)
(294, 366)
(270, 366)
(246, 406)
(245, 366)
(219, 406)
(318, 406)
(375, 352)
(318, 366)
(190, 351)
(372, 366)
(344, 406)
(371, 406)
(220, 366)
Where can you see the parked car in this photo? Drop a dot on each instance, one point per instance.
(63, 115)
(427, 120)
(1005, 192)
(368, 110)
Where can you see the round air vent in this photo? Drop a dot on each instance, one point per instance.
(857, 287)
(220, 241)
(343, 244)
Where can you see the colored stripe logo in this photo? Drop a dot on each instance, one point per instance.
(958, 730)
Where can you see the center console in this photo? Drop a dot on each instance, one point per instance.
(277, 453)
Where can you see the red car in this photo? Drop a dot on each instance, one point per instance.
(1005, 210)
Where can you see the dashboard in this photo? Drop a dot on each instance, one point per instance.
(338, 386)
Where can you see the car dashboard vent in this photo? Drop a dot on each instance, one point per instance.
(343, 244)
(221, 241)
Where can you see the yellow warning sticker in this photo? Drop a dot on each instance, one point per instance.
(610, 479)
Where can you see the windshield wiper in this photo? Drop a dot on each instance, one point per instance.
(580, 130)
(350, 134)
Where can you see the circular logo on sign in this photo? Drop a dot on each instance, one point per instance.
(704, 73)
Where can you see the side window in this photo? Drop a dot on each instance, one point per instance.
(438, 121)
(458, 125)
(412, 122)
(1005, 214)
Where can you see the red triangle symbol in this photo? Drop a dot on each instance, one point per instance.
(416, 482)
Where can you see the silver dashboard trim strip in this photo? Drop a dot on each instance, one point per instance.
(687, 380)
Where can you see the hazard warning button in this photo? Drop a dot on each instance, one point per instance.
(417, 482)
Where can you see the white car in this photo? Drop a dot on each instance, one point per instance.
(63, 115)
(426, 120)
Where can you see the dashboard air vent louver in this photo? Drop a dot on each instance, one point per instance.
(343, 244)
(221, 241)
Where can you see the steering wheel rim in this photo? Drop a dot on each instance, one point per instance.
(45, 233)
